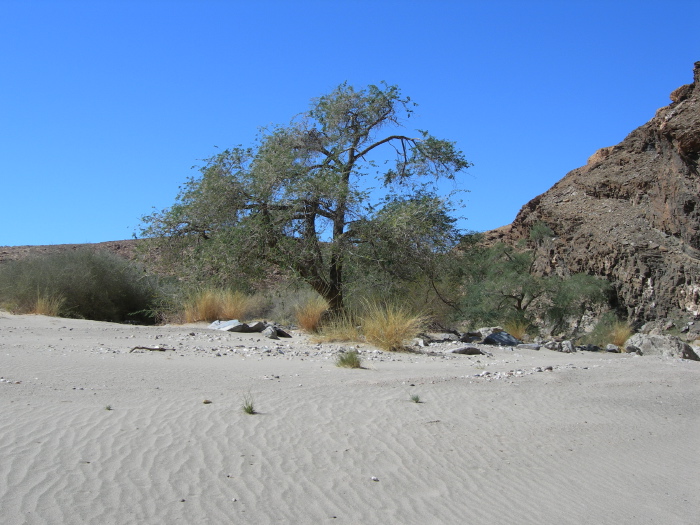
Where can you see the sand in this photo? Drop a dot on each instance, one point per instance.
(599, 439)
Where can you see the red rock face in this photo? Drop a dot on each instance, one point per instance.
(632, 214)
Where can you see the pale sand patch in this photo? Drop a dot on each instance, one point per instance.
(601, 439)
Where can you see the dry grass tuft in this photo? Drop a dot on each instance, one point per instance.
(212, 305)
(51, 305)
(620, 332)
(517, 328)
(389, 326)
(310, 313)
(341, 328)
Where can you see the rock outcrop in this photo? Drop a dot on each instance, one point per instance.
(631, 214)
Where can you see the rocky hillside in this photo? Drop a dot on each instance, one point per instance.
(126, 249)
(631, 214)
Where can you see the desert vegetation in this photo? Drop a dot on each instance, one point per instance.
(307, 226)
(81, 283)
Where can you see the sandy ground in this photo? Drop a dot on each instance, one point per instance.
(599, 439)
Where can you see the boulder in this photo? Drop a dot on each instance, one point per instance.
(470, 337)
(270, 332)
(501, 339)
(567, 347)
(440, 337)
(468, 350)
(229, 326)
(664, 345)
(528, 346)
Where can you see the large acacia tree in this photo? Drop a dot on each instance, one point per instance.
(342, 177)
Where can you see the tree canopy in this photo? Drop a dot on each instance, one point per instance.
(342, 182)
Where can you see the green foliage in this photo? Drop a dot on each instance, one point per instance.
(608, 330)
(540, 231)
(248, 405)
(415, 398)
(349, 359)
(301, 199)
(90, 284)
(501, 286)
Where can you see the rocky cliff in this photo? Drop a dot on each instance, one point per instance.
(631, 214)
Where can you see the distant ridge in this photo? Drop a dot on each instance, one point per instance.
(125, 248)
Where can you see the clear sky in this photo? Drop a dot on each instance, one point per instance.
(106, 104)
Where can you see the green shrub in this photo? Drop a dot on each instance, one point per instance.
(349, 359)
(93, 285)
(609, 329)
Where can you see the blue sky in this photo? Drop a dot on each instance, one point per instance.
(106, 104)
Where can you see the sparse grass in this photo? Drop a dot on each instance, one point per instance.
(51, 305)
(109, 407)
(210, 304)
(349, 359)
(248, 405)
(415, 398)
(390, 326)
(310, 313)
(517, 328)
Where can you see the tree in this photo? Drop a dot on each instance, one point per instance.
(501, 284)
(302, 198)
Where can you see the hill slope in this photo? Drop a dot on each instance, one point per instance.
(632, 214)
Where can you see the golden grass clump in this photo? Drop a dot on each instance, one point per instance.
(620, 332)
(517, 328)
(310, 313)
(211, 305)
(389, 326)
(51, 305)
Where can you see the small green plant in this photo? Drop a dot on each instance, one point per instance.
(415, 398)
(389, 326)
(248, 405)
(310, 313)
(109, 407)
(349, 359)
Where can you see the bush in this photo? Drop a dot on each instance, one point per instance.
(82, 283)
(389, 326)
(609, 329)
